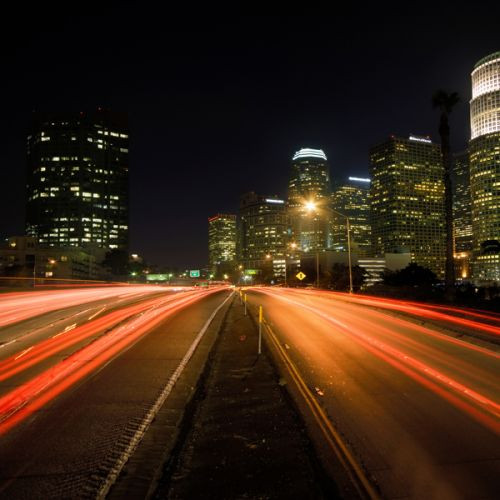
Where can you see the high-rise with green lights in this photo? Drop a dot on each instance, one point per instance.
(221, 241)
(309, 194)
(351, 199)
(77, 180)
(407, 200)
(484, 150)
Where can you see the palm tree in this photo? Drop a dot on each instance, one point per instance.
(445, 102)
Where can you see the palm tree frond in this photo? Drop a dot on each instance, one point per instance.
(445, 101)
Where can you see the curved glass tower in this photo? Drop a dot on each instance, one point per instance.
(309, 198)
(484, 150)
(485, 102)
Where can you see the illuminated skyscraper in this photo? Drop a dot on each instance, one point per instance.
(484, 149)
(462, 215)
(221, 240)
(262, 233)
(77, 180)
(407, 200)
(309, 199)
(352, 200)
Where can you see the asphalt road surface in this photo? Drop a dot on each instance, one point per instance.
(79, 373)
(418, 408)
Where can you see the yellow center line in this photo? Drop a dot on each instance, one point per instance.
(346, 458)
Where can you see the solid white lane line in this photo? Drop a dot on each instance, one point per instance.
(146, 422)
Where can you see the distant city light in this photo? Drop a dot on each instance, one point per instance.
(269, 200)
(310, 205)
(309, 153)
(359, 179)
(420, 139)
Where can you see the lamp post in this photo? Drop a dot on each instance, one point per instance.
(348, 226)
(34, 271)
(293, 245)
(310, 206)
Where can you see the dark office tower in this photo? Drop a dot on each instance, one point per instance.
(77, 180)
(221, 241)
(309, 199)
(352, 200)
(262, 233)
(407, 200)
(484, 150)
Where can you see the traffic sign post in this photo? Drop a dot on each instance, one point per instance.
(260, 329)
(245, 304)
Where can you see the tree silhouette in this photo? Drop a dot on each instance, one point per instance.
(445, 102)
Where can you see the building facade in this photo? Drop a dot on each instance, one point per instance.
(77, 180)
(462, 215)
(262, 234)
(352, 200)
(484, 150)
(407, 200)
(309, 193)
(22, 257)
(221, 241)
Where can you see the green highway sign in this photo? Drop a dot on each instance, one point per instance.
(194, 273)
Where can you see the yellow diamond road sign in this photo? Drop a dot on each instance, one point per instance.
(300, 275)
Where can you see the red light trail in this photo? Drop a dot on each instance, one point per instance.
(17, 307)
(22, 401)
(378, 334)
(420, 310)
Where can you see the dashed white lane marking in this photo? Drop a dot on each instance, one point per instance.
(24, 352)
(98, 312)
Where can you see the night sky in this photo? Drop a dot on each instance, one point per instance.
(217, 106)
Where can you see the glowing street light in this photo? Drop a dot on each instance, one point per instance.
(310, 206)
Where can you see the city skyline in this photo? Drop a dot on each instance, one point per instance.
(299, 106)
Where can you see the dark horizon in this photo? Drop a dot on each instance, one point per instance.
(217, 109)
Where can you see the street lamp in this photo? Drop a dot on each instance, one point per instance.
(348, 226)
(310, 206)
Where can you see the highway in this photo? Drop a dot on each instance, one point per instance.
(417, 407)
(80, 371)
